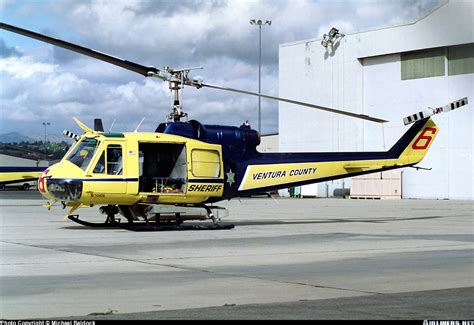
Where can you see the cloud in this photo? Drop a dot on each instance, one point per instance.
(6, 51)
(178, 33)
(4, 3)
(394, 12)
(44, 82)
(24, 67)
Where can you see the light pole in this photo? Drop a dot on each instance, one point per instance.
(45, 148)
(259, 23)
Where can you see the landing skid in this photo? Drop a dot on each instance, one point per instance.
(111, 222)
(143, 226)
(106, 224)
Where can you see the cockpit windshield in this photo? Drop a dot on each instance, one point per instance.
(83, 153)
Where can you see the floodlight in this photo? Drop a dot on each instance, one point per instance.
(328, 39)
(334, 32)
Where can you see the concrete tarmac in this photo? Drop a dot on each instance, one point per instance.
(286, 258)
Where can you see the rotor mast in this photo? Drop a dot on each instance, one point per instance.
(176, 78)
(176, 112)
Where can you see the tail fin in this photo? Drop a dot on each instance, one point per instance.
(414, 144)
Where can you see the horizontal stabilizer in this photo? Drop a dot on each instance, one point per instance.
(432, 111)
(357, 166)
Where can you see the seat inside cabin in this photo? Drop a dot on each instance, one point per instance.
(162, 168)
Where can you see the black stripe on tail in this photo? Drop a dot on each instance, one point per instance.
(409, 135)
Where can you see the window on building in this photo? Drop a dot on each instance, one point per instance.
(461, 59)
(423, 64)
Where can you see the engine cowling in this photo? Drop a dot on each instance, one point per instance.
(236, 138)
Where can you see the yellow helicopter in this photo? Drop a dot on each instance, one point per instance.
(188, 164)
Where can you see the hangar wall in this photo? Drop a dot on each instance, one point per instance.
(451, 155)
(363, 75)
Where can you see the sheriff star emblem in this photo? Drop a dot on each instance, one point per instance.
(230, 177)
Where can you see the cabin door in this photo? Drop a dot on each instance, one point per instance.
(163, 168)
(107, 175)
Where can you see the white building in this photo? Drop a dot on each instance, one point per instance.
(387, 73)
(268, 143)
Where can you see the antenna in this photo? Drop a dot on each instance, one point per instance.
(139, 125)
(112, 125)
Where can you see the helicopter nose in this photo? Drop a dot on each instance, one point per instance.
(68, 190)
(42, 184)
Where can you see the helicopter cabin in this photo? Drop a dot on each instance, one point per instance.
(165, 170)
(179, 168)
(162, 167)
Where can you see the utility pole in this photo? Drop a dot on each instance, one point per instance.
(45, 148)
(259, 23)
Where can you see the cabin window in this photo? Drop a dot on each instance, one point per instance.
(100, 166)
(205, 163)
(162, 168)
(140, 163)
(114, 159)
(83, 153)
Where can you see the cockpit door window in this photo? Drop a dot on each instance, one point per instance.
(114, 159)
(110, 161)
(100, 166)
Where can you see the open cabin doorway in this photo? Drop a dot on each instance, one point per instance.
(163, 168)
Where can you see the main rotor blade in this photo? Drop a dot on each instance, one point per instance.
(327, 109)
(141, 69)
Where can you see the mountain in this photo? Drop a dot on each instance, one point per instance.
(18, 137)
(15, 137)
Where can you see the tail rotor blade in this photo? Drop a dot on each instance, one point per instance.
(432, 111)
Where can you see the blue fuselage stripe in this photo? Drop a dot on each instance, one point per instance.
(206, 180)
(195, 180)
(97, 179)
(16, 169)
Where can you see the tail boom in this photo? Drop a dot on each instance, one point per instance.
(279, 170)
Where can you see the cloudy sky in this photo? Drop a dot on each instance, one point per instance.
(40, 82)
